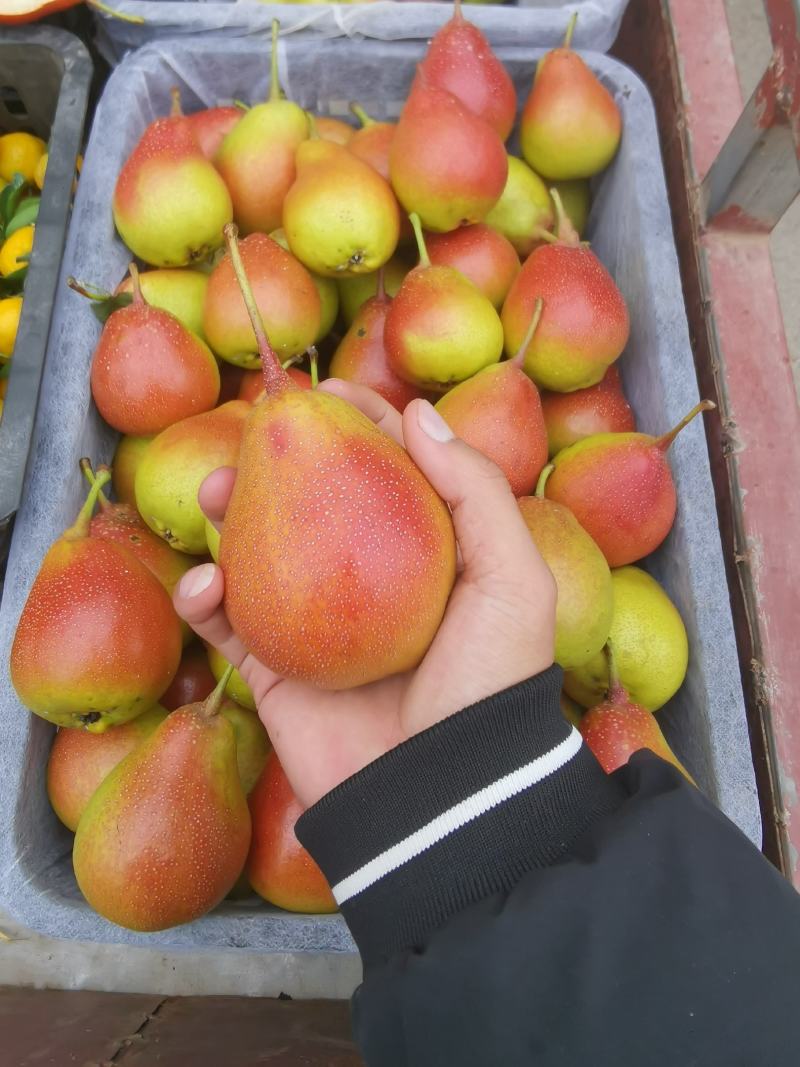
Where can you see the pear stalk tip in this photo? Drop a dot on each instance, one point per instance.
(88, 472)
(313, 359)
(274, 82)
(176, 111)
(666, 439)
(80, 528)
(211, 705)
(361, 115)
(547, 470)
(570, 30)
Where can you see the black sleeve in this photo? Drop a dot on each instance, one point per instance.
(514, 905)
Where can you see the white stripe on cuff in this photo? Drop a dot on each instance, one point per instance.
(459, 815)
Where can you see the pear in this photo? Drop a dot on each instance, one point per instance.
(212, 540)
(340, 216)
(98, 640)
(362, 590)
(252, 742)
(576, 199)
(236, 688)
(447, 165)
(210, 125)
(571, 125)
(286, 296)
(193, 679)
(278, 867)
(481, 254)
(461, 61)
(354, 292)
(127, 458)
(181, 292)
(650, 642)
(328, 294)
(602, 408)
(165, 837)
(174, 467)
(618, 727)
(80, 761)
(361, 354)
(498, 412)
(585, 597)
(331, 129)
(257, 157)
(585, 323)
(170, 204)
(372, 143)
(149, 371)
(440, 329)
(524, 208)
(252, 386)
(620, 489)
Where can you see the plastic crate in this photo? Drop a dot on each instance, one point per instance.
(630, 229)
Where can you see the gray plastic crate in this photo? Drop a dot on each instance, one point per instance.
(534, 23)
(45, 75)
(630, 229)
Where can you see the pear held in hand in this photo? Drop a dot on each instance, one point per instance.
(165, 837)
(355, 554)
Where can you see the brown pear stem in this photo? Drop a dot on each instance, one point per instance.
(89, 291)
(666, 440)
(133, 270)
(98, 5)
(313, 359)
(211, 705)
(546, 472)
(458, 14)
(570, 30)
(275, 377)
(616, 691)
(91, 478)
(416, 223)
(274, 83)
(362, 116)
(566, 232)
(80, 528)
(176, 111)
(519, 358)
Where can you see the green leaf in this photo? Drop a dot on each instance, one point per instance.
(12, 283)
(25, 215)
(104, 308)
(9, 199)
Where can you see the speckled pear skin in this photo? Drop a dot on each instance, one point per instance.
(98, 640)
(481, 254)
(166, 835)
(601, 408)
(170, 204)
(252, 742)
(338, 555)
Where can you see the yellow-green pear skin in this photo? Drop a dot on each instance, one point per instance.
(650, 645)
(355, 292)
(181, 292)
(327, 289)
(585, 601)
(576, 199)
(340, 216)
(170, 204)
(236, 688)
(252, 742)
(212, 540)
(523, 208)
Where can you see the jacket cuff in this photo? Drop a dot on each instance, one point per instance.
(456, 813)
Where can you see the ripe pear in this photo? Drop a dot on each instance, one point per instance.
(361, 354)
(447, 165)
(618, 727)
(601, 408)
(461, 61)
(236, 688)
(524, 208)
(481, 254)
(286, 296)
(354, 292)
(252, 386)
(650, 644)
(363, 589)
(176, 464)
(252, 742)
(127, 458)
(80, 761)
(210, 125)
(585, 598)
(571, 125)
(257, 157)
(328, 293)
(166, 835)
(498, 412)
(181, 292)
(620, 488)
(372, 143)
(440, 328)
(576, 199)
(585, 324)
(98, 640)
(149, 371)
(278, 867)
(331, 129)
(170, 204)
(340, 216)
(193, 679)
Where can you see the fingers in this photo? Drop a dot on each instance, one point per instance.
(369, 403)
(198, 601)
(215, 492)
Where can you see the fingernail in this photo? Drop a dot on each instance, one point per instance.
(432, 423)
(196, 580)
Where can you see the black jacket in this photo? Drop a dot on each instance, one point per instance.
(514, 905)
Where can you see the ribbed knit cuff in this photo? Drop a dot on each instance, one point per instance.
(455, 814)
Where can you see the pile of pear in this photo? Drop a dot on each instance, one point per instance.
(423, 260)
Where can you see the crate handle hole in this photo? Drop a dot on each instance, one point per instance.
(12, 101)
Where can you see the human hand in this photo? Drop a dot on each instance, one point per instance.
(498, 628)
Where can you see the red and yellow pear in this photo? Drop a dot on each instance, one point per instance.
(252, 385)
(354, 292)
(481, 254)
(373, 142)
(328, 293)
(178, 290)
(331, 129)
(210, 125)
(600, 408)
(349, 595)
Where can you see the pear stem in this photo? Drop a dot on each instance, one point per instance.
(362, 116)
(98, 5)
(91, 478)
(313, 359)
(211, 705)
(241, 105)
(292, 361)
(176, 111)
(313, 132)
(380, 290)
(546, 472)
(666, 440)
(544, 235)
(80, 528)
(416, 222)
(274, 83)
(570, 30)
(458, 14)
(519, 358)
(616, 691)
(567, 233)
(275, 377)
(89, 291)
(133, 270)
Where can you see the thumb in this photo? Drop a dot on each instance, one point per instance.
(494, 541)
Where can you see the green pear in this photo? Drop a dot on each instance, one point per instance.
(180, 292)
(237, 688)
(252, 742)
(523, 209)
